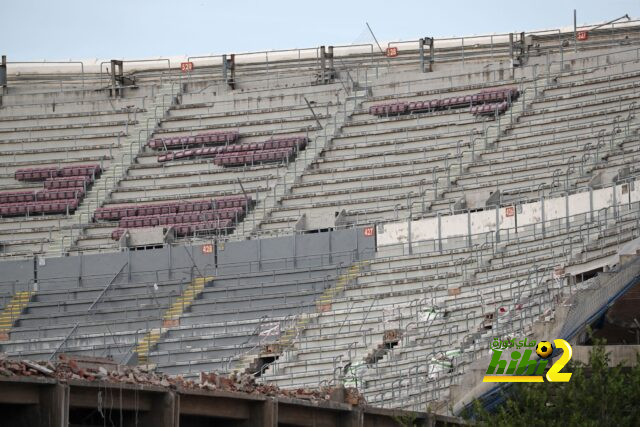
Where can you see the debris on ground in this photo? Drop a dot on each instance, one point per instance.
(69, 368)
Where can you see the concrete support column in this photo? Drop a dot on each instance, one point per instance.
(421, 50)
(566, 204)
(330, 57)
(3, 76)
(165, 411)
(54, 406)
(542, 216)
(323, 64)
(354, 418)
(439, 232)
(432, 54)
(264, 415)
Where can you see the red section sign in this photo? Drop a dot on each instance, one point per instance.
(510, 211)
(392, 52)
(369, 231)
(583, 35)
(207, 249)
(186, 66)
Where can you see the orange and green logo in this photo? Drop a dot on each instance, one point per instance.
(521, 366)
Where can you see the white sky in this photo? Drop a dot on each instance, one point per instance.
(82, 29)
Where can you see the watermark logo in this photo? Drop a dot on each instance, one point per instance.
(521, 366)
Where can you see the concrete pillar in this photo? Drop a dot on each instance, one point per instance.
(544, 226)
(323, 64)
(3, 76)
(421, 50)
(511, 47)
(54, 406)
(409, 236)
(566, 204)
(224, 67)
(264, 415)
(354, 418)
(165, 411)
(330, 57)
(432, 54)
(439, 232)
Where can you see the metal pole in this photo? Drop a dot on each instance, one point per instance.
(421, 47)
(575, 32)
(374, 37)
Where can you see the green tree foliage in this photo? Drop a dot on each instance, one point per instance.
(596, 395)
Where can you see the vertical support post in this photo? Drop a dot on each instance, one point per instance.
(498, 223)
(421, 49)
(511, 47)
(165, 411)
(566, 210)
(432, 54)
(225, 70)
(409, 235)
(3, 76)
(468, 228)
(54, 405)
(548, 68)
(264, 414)
(575, 32)
(542, 216)
(295, 249)
(323, 64)
(232, 69)
(113, 78)
(330, 57)
(590, 204)
(439, 233)
(615, 200)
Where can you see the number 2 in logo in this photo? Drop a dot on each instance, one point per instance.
(554, 374)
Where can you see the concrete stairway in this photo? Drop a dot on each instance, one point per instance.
(64, 240)
(171, 317)
(319, 141)
(12, 311)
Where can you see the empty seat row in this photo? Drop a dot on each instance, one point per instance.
(188, 228)
(489, 109)
(88, 170)
(250, 157)
(68, 182)
(25, 208)
(32, 196)
(41, 174)
(234, 214)
(298, 142)
(211, 137)
(119, 212)
(484, 96)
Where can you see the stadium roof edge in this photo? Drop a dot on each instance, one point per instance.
(173, 62)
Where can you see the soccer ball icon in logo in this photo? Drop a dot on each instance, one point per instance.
(544, 349)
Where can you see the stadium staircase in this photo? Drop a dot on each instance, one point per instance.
(64, 241)
(250, 363)
(320, 140)
(12, 311)
(171, 317)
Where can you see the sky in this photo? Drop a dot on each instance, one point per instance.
(135, 29)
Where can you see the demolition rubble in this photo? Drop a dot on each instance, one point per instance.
(90, 369)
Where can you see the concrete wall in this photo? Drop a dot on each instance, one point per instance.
(185, 261)
(521, 218)
(624, 355)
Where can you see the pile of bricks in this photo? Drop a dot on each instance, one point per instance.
(71, 369)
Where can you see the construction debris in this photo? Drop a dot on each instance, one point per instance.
(67, 368)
